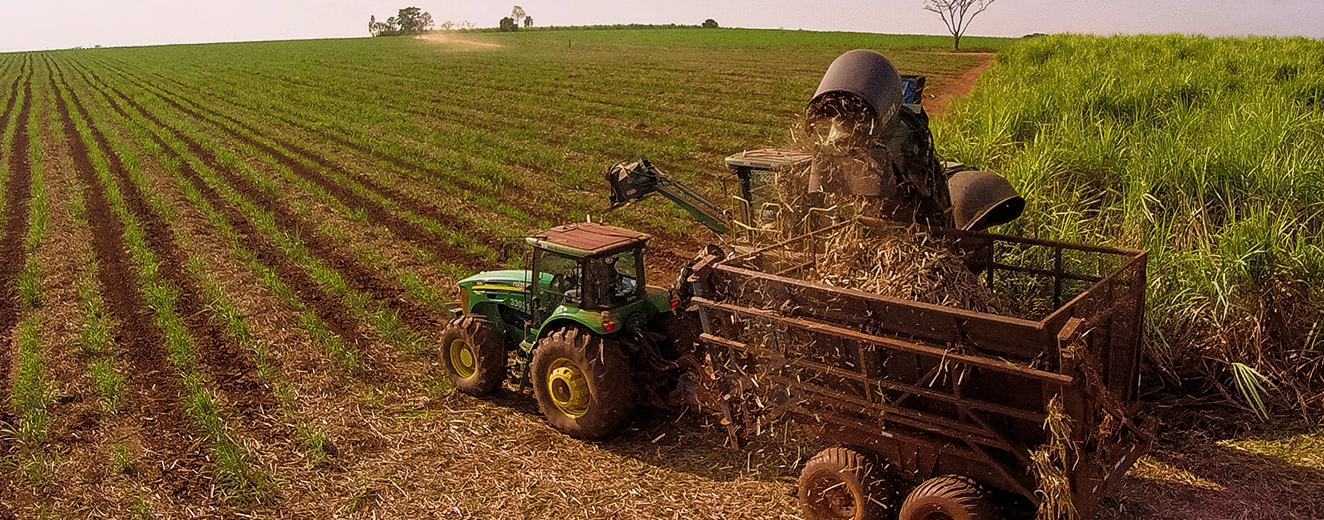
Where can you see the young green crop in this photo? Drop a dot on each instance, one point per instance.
(346, 355)
(524, 133)
(239, 478)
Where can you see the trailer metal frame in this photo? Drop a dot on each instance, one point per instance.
(939, 390)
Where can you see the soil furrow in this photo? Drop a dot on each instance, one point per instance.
(13, 95)
(80, 429)
(336, 315)
(227, 365)
(509, 196)
(181, 469)
(414, 314)
(11, 256)
(290, 156)
(16, 191)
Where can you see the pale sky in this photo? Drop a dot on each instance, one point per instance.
(54, 24)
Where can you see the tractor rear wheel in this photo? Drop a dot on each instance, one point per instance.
(950, 497)
(583, 383)
(843, 484)
(474, 354)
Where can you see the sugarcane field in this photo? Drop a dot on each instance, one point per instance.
(593, 268)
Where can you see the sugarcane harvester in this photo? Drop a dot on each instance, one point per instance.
(867, 150)
(943, 402)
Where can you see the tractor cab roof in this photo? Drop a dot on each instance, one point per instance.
(586, 239)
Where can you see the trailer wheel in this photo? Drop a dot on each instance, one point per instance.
(843, 484)
(950, 497)
(583, 383)
(474, 354)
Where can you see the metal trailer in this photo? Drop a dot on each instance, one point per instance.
(952, 399)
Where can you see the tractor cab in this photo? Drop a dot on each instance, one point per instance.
(586, 266)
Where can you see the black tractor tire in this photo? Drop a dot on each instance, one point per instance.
(950, 497)
(844, 484)
(473, 353)
(583, 383)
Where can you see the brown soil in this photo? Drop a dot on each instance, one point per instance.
(80, 433)
(457, 42)
(181, 467)
(339, 318)
(961, 86)
(11, 248)
(234, 372)
(324, 391)
(358, 277)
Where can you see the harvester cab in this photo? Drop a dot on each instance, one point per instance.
(565, 319)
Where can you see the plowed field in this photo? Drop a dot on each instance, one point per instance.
(225, 266)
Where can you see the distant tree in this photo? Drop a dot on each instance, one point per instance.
(508, 25)
(957, 14)
(387, 28)
(410, 20)
(528, 21)
(517, 14)
(446, 25)
(465, 25)
(710, 24)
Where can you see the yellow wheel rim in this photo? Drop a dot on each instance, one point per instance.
(462, 359)
(568, 388)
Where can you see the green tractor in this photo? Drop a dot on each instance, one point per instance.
(576, 322)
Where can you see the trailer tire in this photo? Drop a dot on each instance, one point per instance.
(843, 484)
(474, 354)
(950, 497)
(583, 383)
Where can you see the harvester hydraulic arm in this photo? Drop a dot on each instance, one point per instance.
(634, 180)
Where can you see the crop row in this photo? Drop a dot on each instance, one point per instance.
(284, 230)
(359, 199)
(504, 130)
(158, 281)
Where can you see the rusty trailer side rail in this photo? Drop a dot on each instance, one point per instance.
(938, 390)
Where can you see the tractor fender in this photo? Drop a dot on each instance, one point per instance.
(584, 320)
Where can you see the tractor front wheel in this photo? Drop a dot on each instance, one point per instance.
(583, 383)
(474, 354)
